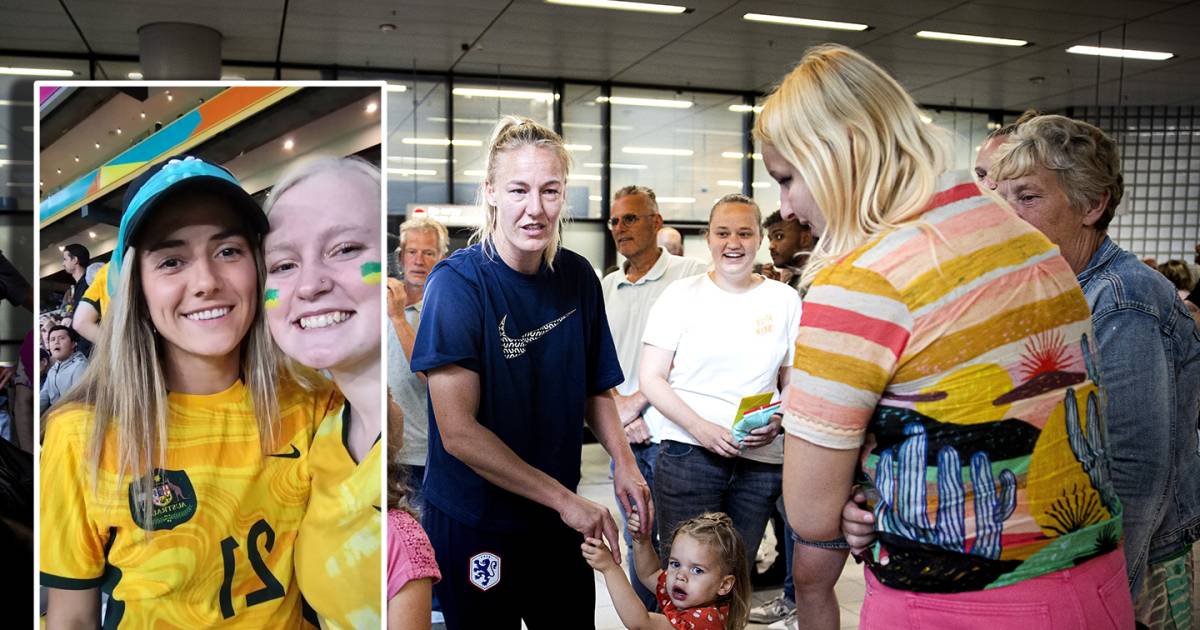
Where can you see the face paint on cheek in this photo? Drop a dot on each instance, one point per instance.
(271, 298)
(372, 272)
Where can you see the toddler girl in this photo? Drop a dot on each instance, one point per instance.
(706, 585)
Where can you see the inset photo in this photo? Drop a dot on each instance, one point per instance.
(211, 359)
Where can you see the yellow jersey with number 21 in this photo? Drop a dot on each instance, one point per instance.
(224, 521)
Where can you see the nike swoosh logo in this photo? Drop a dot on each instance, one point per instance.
(513, 348)
(295, 454)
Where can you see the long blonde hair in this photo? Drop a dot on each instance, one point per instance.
(514, 132)
(125, 386)
(857, 139)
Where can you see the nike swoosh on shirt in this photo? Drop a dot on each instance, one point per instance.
(295, 454)
(513, 348)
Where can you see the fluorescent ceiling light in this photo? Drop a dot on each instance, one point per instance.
(528, 95)
(971, 39)
(795, 21)
(135, 76)
(16, 162)
(475, 173)
(676, 200)
(577, 147)
(622, 5)
(657, 151)
(1120, 52)
(617, 166)
(36, 72)
(742, 109)
(570, 125)
(734, 155)
(464, 121)
(411, 171)
(595, 198)
(10, 102)
(397, 88)
(443, 142)
(733, 183)
(645, 102)
(584, 177)
(926, 119)
(417, 160)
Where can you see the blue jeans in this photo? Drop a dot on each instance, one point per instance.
(416, 479)
(645, 456)
(690, 480)
(789, 586)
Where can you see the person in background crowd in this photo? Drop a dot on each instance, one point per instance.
(670, 239)
(75, 261)
(517, 352)
(629, 294)
(69, 365)
(1177, 272)
(924, 301)
(711, 341)
(423, 243)
(789, 242)
(86, 320)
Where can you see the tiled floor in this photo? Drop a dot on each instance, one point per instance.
(597, 486)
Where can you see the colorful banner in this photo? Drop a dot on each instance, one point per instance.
(219, 113)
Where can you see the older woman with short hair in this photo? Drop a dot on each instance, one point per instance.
(1064, 177)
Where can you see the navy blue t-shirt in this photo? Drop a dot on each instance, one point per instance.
(541, 346)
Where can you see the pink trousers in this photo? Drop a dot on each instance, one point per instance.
(1091, 596)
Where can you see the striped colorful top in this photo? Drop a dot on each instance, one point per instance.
(956, 353)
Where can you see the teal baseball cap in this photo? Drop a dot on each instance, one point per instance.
(171, 177)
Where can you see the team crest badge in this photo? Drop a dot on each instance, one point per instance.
(172, 498)
(485, 570)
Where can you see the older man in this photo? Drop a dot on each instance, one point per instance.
(671, 240)
(1064, 177)
(423, 242)
(629, 292)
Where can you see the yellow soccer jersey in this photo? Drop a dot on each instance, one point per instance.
(339, 554)
(97, 291)
(225, 515)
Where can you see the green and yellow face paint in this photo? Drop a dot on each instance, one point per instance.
(372, 272)
(271, 298)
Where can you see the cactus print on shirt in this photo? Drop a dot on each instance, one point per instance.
(956, 353)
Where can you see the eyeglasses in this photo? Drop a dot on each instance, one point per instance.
(628, 220)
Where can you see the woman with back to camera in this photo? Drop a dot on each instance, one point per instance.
(518, 355)
(323, 304)
(945, 351)
(710, 341)
(173, 475)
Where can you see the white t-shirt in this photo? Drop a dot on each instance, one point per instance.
(727, 346)
(628, 304)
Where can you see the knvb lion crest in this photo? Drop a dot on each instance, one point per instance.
(485, 570)
(173, 501)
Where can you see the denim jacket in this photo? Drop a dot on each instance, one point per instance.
(1149, 355)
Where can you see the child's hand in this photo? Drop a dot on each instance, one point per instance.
(634, 524)
(597, 554)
